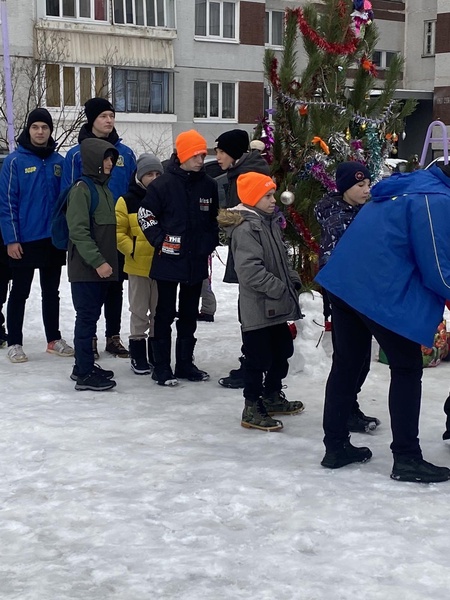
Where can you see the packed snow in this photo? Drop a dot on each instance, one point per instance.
(150, 493)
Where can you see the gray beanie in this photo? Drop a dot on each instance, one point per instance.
(146, 163)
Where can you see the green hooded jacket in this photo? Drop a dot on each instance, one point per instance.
(92, 242)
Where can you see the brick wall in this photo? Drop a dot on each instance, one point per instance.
(442, 35)
(252, 23)
(441, 104)
(250, 101)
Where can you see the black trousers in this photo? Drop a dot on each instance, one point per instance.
(22, 278)
(266, 358)
(188, 300)
(88, 298)
(5, 277)
(352, 340)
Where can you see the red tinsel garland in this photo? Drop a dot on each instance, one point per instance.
(347, 47)
(300, 227)
(273, 75)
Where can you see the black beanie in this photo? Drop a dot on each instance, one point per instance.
(234, 143)
(94, 107)
(349, 174)
(42, 115)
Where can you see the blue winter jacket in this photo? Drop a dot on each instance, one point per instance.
(121, 174)
(393, 263)
(29, 187)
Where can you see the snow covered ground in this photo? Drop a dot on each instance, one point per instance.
(147, 493)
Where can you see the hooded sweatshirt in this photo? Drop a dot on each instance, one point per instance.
(267, 284)
(393, 263)
(92, 241)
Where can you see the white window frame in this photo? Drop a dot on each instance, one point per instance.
(77, 12)
(429, 38)
(220, 37)
(208, 117)
(78, 103)
(383, 58)
(269, 29)
(169, 13)
(171, 91)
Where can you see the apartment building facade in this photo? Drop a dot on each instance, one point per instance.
(170, 65)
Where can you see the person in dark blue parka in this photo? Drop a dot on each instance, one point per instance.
(389, 277)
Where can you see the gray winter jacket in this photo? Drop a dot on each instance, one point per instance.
(267, 284)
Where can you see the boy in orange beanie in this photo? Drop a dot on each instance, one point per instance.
(179, 218)
(267, 300)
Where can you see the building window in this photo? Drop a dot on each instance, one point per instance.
(70, 86)
(149, 13)
(78, 9)
(429, 38)
(215, 19)
(143, 91)
(274, 28)
(214, 100)
(382, 58)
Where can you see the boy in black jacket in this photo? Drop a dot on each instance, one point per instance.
(178, 217)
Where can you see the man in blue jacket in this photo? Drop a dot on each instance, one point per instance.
(100, 116)
(29, 186)
(389, 277)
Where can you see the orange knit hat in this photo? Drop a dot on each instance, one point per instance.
(189, 144)
(251, 187)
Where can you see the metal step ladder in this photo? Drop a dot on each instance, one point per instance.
(429, 139)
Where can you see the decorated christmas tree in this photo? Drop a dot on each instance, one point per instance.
(336, 110)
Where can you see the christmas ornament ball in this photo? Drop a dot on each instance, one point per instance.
(287, 198)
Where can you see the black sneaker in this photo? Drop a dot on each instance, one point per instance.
(346, 455)
(255, 416)
(418, 470)
(115, 347)
(102, 372)
(95, 382)
(358, 422)
(276, 403)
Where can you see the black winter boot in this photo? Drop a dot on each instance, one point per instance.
(162, 373)
(235, 379)
(446, 434)
(358, 422)
(138, 354)
(418, 470)
(185, 367)
(345, 455)
(3, 337)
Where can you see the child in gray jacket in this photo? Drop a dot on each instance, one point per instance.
(267, 300)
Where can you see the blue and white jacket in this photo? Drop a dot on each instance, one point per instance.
(121, 174)
(393, 263)
(29, 187)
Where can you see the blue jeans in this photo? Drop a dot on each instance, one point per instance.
(88, 298)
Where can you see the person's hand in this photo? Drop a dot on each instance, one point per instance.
(104, 270)
(15, 250)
